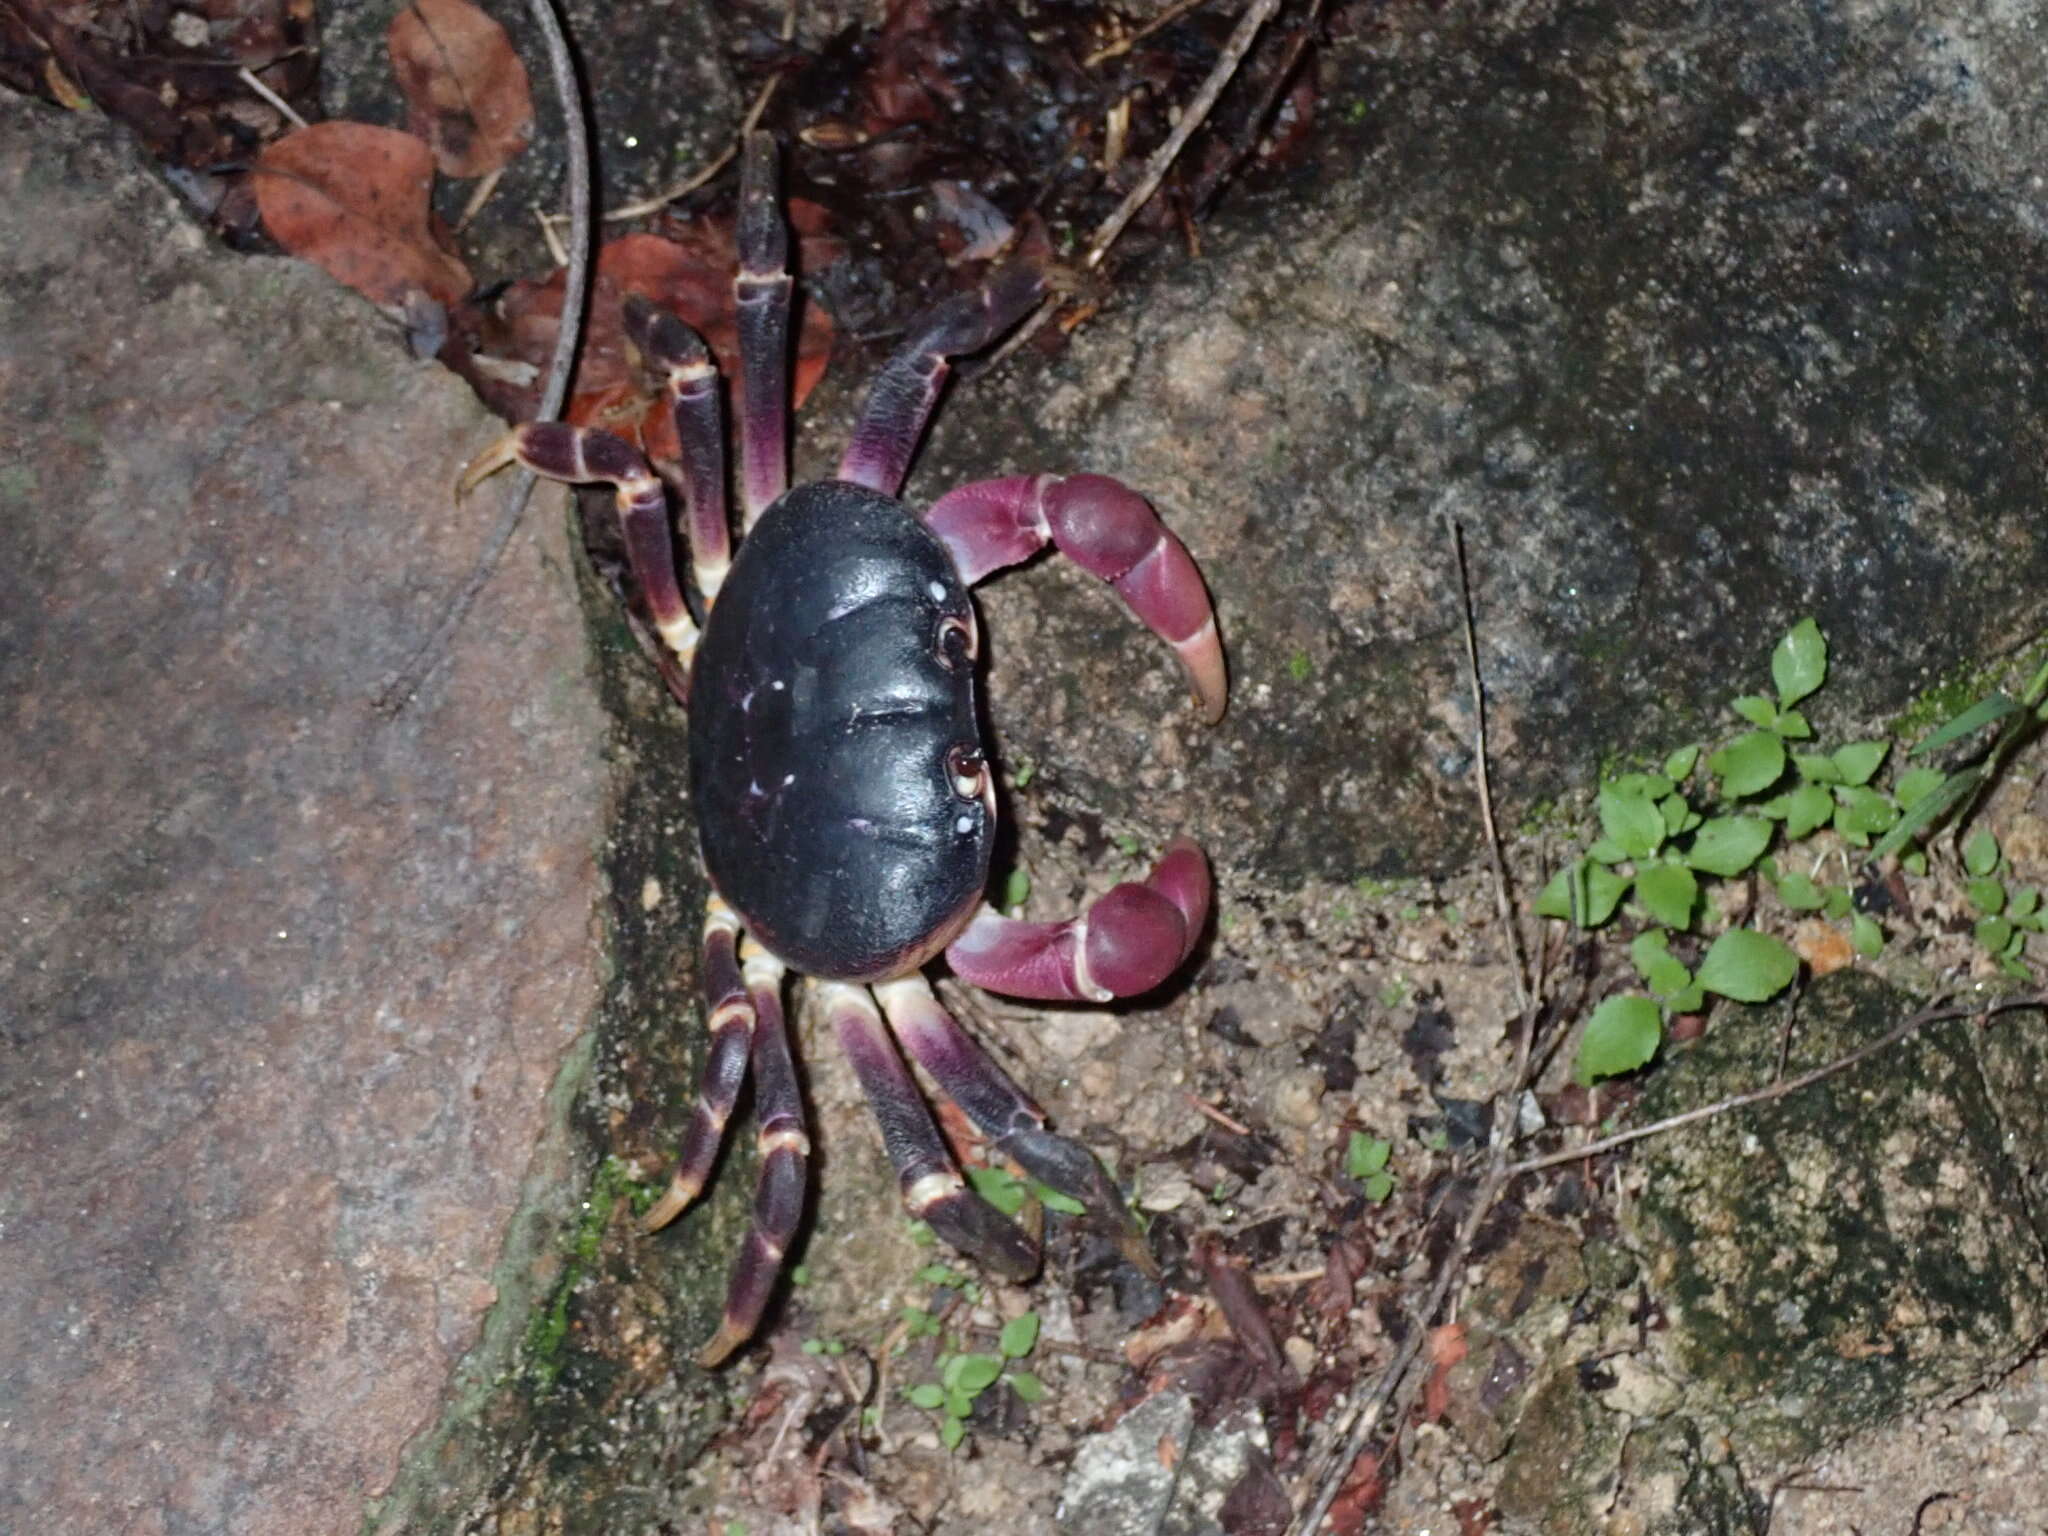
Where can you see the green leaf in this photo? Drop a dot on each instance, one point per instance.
(1914, 863)
(1026, 1386)
(926, 1394)
(1378, 1186)
(1661, 970)
(1987, 896)
(1749, 764)
(952, 1431)
(938, 1274)
(1865, 936)
(1839, 901)
(1861, 813)
(1015, 890)
(1807, 807)
(1975, 718)
(999, 1187)
(1668, 893)
(1915, 785)
(1817, 768)
(1757, 710)
(1792, 726)
(1631, 821)
(1801, 894)
(1678, 766)
(1747, 966)
(1622, 1034)
(1800, 663)
(1019, 1336)
(1994, 933)
(1860, 760)
(1053, 1200)
(1728, 845)
(2022, 905)
(1584, 893)
(1675, 810)
(1644, 786)
(1926, 811)
(970, 1373)
(1980, 854)
(1365, 1154)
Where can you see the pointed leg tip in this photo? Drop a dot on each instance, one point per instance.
(486, 464)
(730, 1336)
(667, 1208)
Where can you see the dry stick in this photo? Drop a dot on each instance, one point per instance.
(1891, 1037)
(1256, 15)
(1366, 1416)
(1502, 901)
(1166, 17)
(398, 690)
(697, 178)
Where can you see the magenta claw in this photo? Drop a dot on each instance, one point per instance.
(1107, 529)
(1126, 943)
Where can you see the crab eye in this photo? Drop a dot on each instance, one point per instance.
(968, 771)
(956, 644)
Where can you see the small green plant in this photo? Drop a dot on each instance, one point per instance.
(1016, 890)
(962, 1377)
(1930, 797)
(2005, 916)
(1365, 1159)
(1668, 836)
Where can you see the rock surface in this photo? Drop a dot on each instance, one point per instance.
(1805, 1269)
(1696, 320)
(293, 990)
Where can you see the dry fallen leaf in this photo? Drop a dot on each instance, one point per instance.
(465, 89)
(690, 277)
(1446, 1347)
(1823, 946)
(353, 199)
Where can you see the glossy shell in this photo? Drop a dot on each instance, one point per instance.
(830, 716)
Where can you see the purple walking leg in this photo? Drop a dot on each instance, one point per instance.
(690, 381)
(904, 391)
(1106, 528)
(581, 455)
(933, 1190)
(1013, 1124)
(729, 1016)
(1126, 943)
(761, 293)
(785, 1156)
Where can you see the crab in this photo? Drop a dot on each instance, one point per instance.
(844, 801)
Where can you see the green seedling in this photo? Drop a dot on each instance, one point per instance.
(1365, 1160)
(963, 1376)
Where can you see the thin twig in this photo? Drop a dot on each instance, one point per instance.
(1367, 1415)
(1524, 993)
(699, 177)
(1123, 45)
(1235, 1127)
(398, 690)
(1891, 1037)
(249, 79)
(1256, 15)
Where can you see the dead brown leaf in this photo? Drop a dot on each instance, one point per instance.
(352, 199)
(465, 90)
(1823, 946)
(1445, 1349)
(691, 277)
